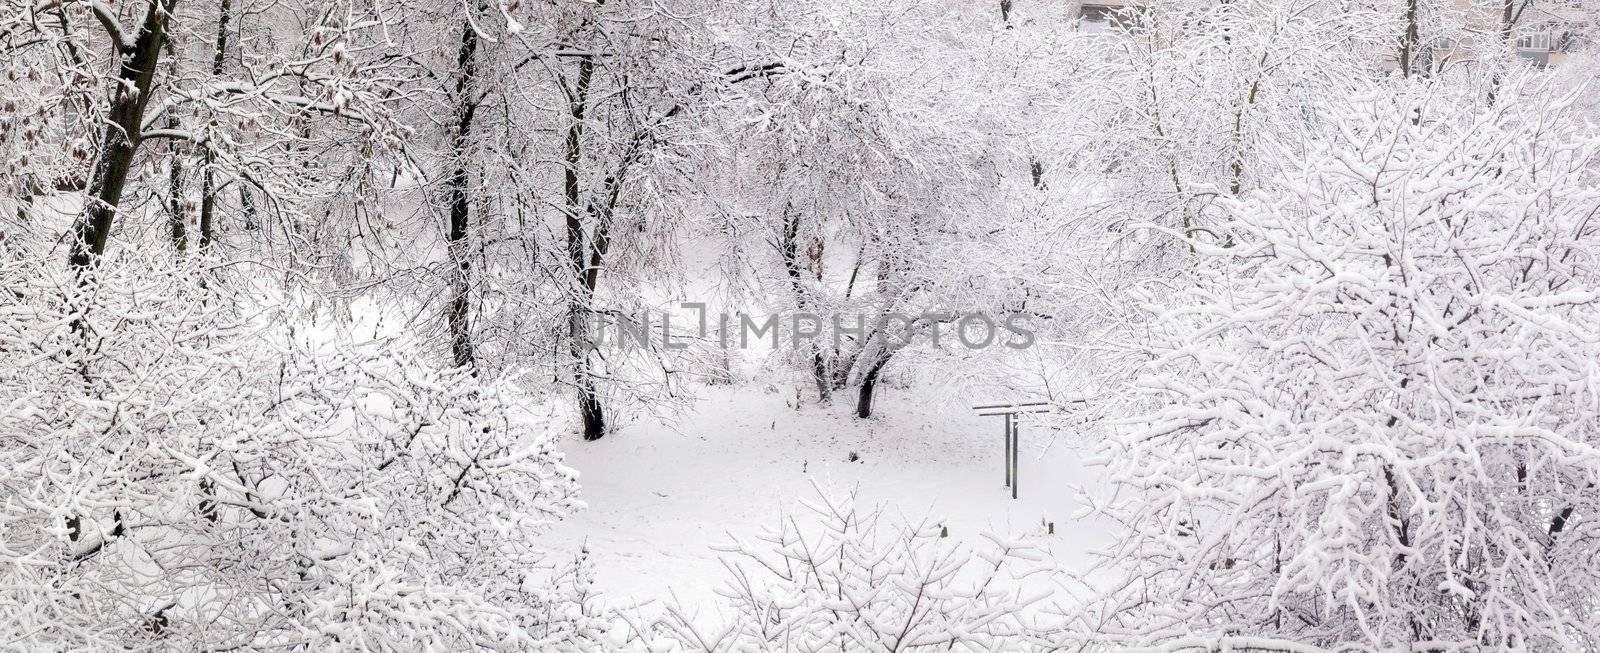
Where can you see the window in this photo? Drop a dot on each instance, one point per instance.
(1534, 42)
(1099, 19)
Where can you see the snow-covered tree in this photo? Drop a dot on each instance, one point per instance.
(179, 476)
(176, 105)
(1187, 91)
(839, 577)
(1371, 421)
(870, 172)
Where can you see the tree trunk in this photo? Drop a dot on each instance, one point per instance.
(1559, 523)
(876, 359)
(247, 203)
(120, 140)
(119, 143)
(789, 251)
(584, 280)
(589, 409)
(208, 199)
(461, 203)
(1408, 39)
(1237, 168)
(1510, 14)
(1172, 163)
(869, 383)
(175, 212)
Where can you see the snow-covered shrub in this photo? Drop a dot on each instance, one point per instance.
(844, 579)
(1373, 423)
(174, 476)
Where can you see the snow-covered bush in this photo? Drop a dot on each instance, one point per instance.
(1372, 423)
(174, 476)
(843, 579)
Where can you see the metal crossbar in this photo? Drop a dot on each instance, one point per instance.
(1013, 430)
(1016, 404)
(1016, 411)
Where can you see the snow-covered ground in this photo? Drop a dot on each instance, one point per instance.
(660, 495)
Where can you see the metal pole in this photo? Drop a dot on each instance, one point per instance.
(1006, 443)
(1015, 440)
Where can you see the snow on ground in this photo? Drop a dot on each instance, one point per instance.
(660, 495)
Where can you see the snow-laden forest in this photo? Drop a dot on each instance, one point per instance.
(663, 325)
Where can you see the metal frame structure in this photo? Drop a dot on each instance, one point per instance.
(1013, 429)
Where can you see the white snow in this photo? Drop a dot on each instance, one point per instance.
(661, 495)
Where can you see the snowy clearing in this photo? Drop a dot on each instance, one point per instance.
(660, 496)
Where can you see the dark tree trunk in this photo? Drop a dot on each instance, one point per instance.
(789, 251)
(24, 208)
(819, 371)
(175, 209)
(461, 203)
(208, 199)
(120, 140)
(1559, 523)
(589, 409)
(869, 383)
(579, 250)
(875, 360)
(247, 203)
(177, 213)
